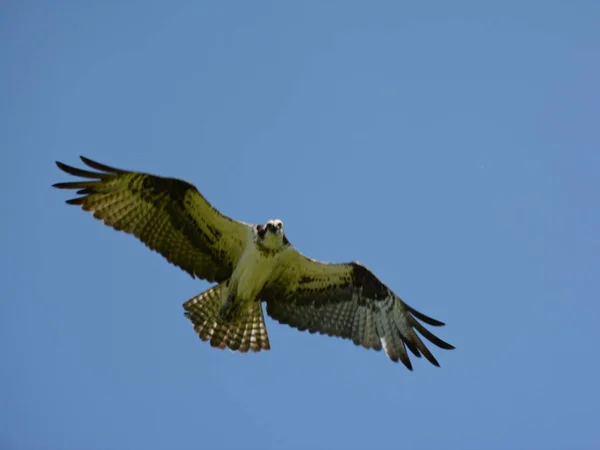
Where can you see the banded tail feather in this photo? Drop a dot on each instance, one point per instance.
(247, 332)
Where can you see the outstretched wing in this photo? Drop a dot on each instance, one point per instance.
(349, 301)
(170, 216)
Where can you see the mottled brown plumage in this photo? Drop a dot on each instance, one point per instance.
(169, 215)
(251, 264)
(348, 301)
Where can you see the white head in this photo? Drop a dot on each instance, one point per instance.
(270, 235)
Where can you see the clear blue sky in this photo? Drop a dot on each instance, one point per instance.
(452, 147)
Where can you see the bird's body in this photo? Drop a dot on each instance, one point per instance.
(256, 265)
(251, 264)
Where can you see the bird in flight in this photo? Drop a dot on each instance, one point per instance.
(250, 264)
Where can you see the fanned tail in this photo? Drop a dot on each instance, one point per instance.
(246, 332)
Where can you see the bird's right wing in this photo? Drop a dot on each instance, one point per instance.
(348, 301)
(169, 215)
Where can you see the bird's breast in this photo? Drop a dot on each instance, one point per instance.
(251, 273)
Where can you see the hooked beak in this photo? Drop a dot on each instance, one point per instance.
(274, 228)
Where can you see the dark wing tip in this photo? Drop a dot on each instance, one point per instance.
(81, 172)
(430, 336)
(71, 185)
(104, 171)
(437, 341)
(406, 361)
(64, 167)
(411, 346)
(433, 361)
(75, 201)
(98, 166)
(428, 320)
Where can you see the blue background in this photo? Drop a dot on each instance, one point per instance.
(452, 147)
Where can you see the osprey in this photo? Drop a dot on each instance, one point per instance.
(250, 264)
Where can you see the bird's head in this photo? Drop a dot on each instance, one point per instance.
(270, 235)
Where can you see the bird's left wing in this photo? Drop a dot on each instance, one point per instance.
(349, 301)
(169, 215)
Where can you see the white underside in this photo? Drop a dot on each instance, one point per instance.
(251, 273)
